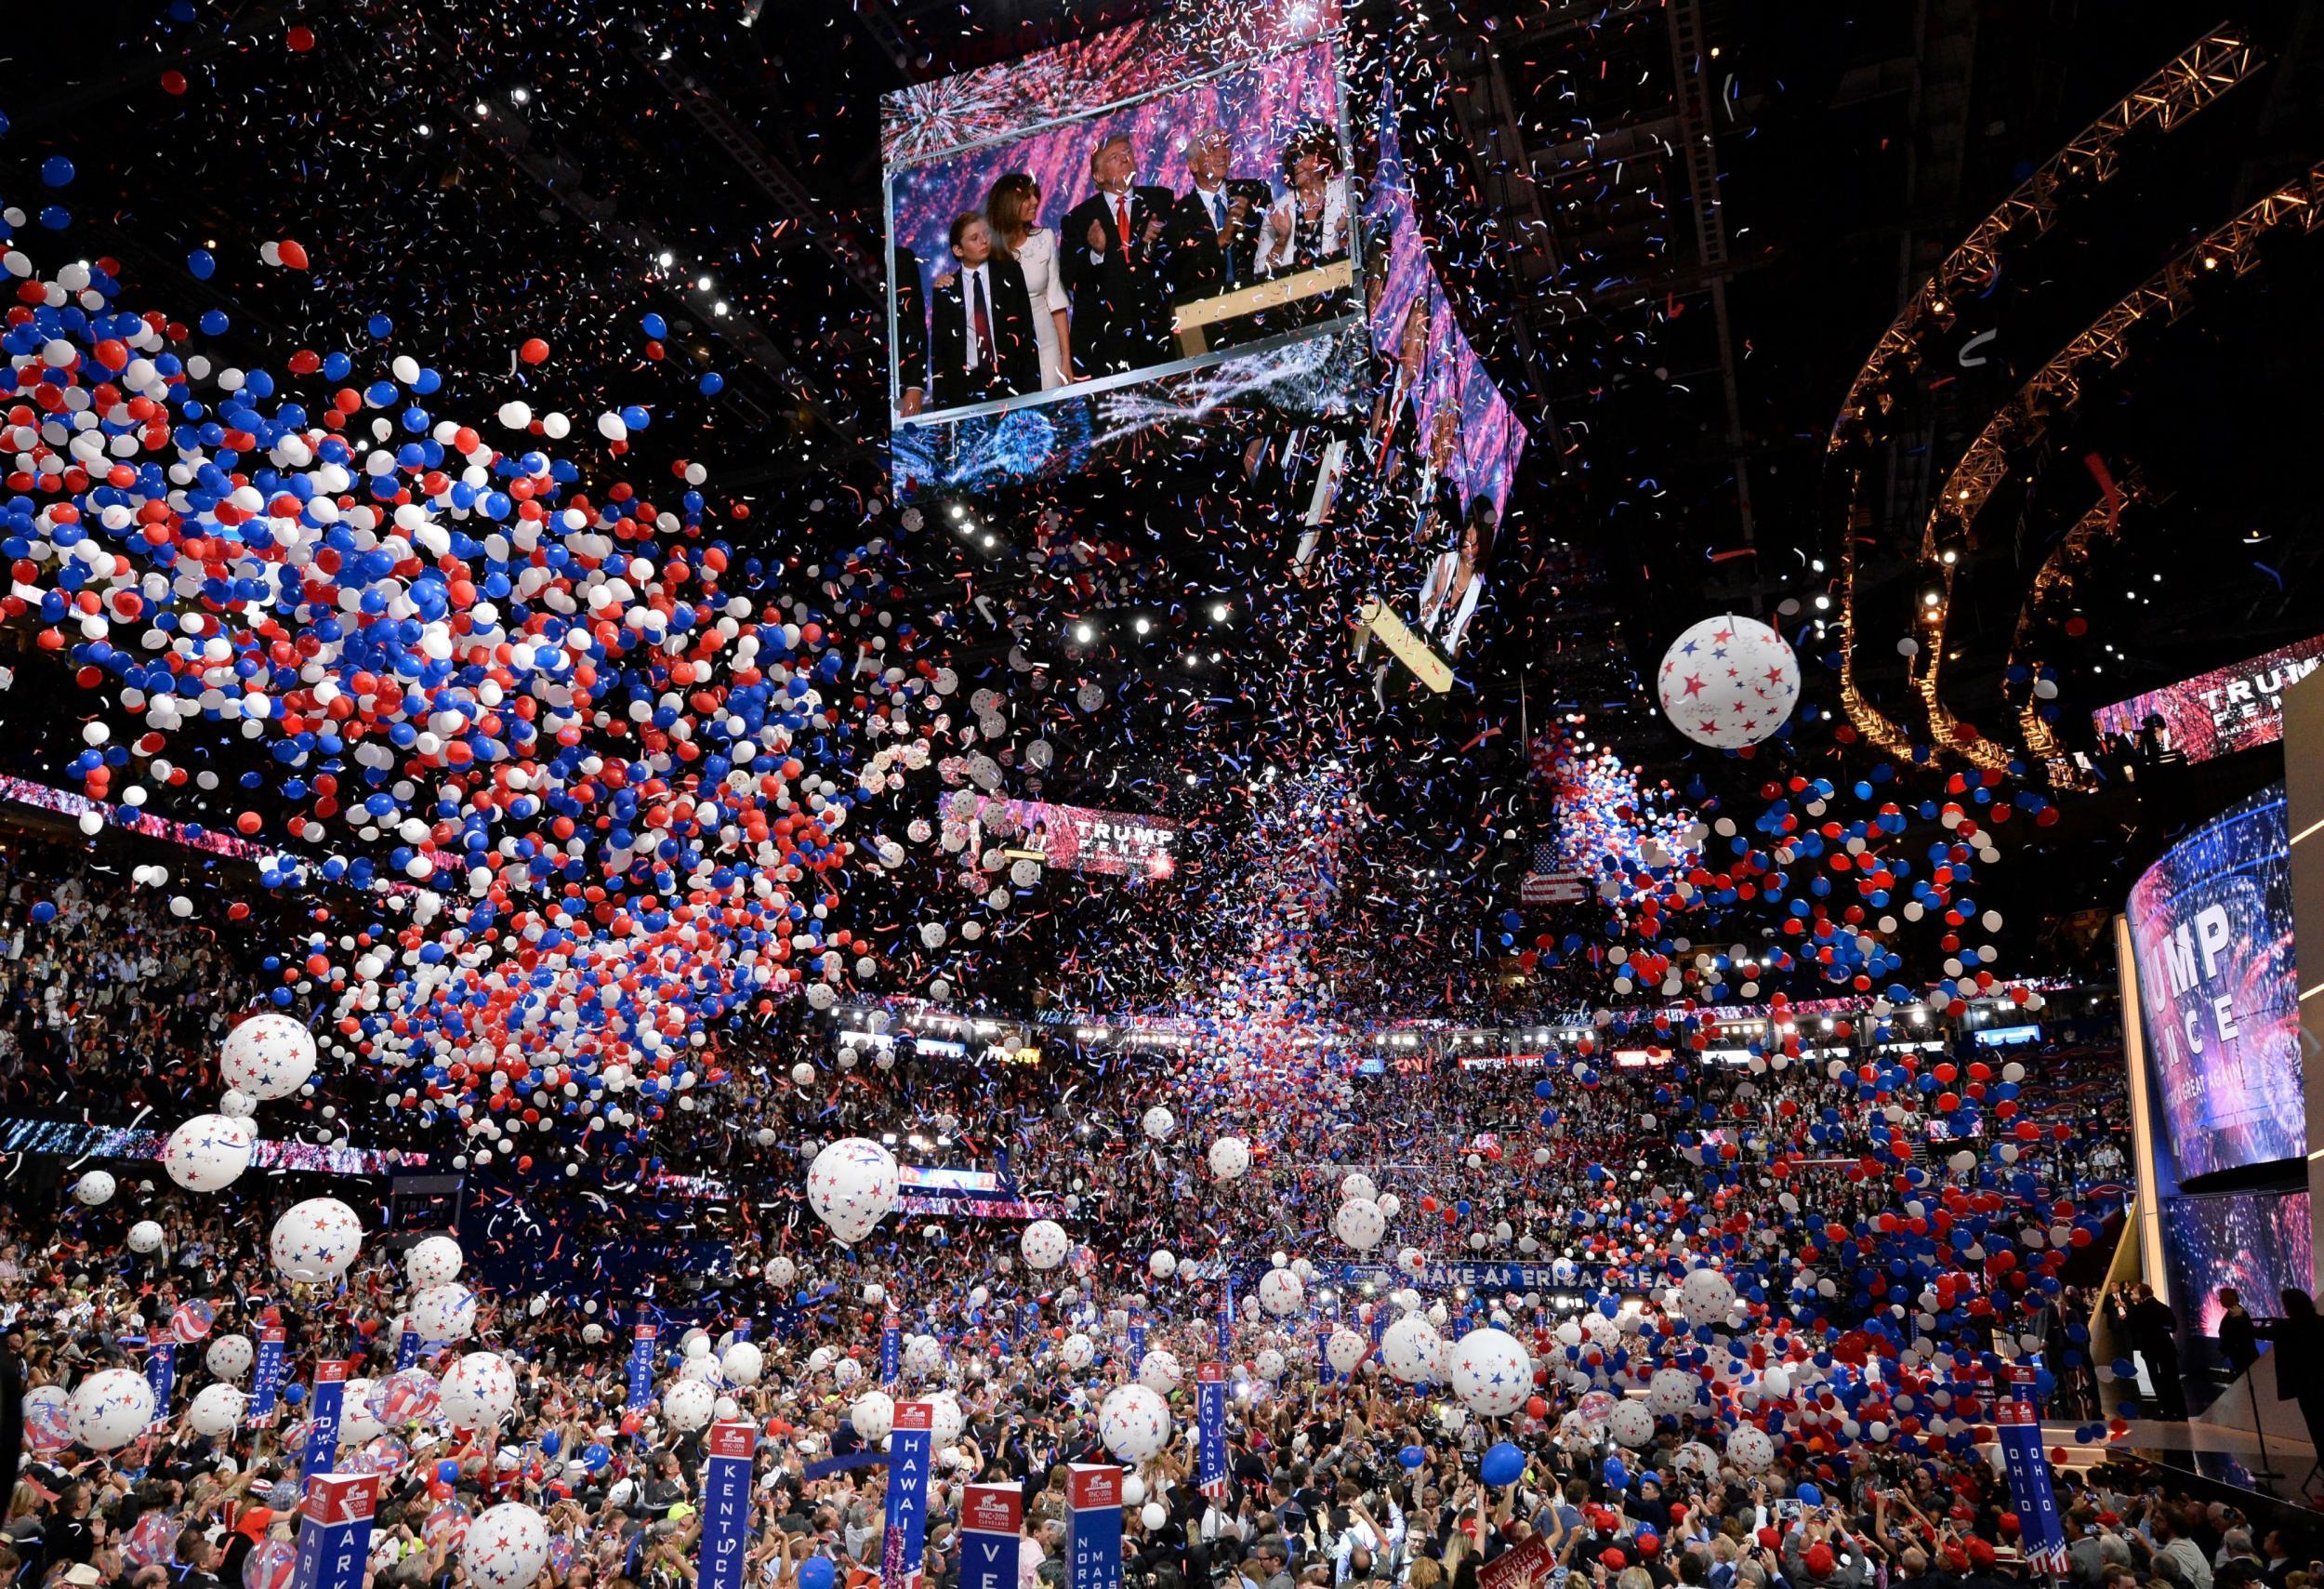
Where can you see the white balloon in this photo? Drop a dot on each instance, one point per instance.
(1076, 1352)
(431, 1261)
(444, 1313)
(1280, 1292)
(209, 1152)
(1358, 1186)
(1230, 1157)
(1268, 1365)
(1344, 1350)
(315, 1240)
(689, 1404)
(1360, 1223)
(507, 1546)
(109, 1408)
(1160, 1372)
(1749, 1449)
(94, 1188)
(1162, 1266)
(1410, 1348)
(480, 1391)
(1158, 1122)
(1728, 682)
(1492, 1372)
(268, 1055)
(743, 1363)
(1043, 1244)
(145, 1237)
(852, 1186)
(230, 1356)
(1631, 1424)
(216, 1409)
(873, 1415)
(1133, 1423)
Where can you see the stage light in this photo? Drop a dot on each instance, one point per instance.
(483, 111)
(1951, 556)
(1931, 598)
(1823, 603)
(1084, 633)
(1142, 626)
(703, 282)
(719, 308)
(519, 96)
(424, 130)
(990, 541)
(1218, 612)
(667, 259)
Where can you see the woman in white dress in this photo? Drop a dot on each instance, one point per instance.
(1309, 225)
(1011, 210)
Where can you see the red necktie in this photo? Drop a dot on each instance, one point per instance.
(1121, 220)
(983, 321)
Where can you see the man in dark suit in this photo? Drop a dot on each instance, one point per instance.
(1216, 223)
(1112, 250)
(911, 306)
(983, 331)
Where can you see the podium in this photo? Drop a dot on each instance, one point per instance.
(1191, 322)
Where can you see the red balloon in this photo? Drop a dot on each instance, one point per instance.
(533, 350)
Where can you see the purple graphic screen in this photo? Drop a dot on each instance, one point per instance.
(2258, 1242)
(1434, 378)
(2210, 924)
(1038, 359)
(2223, 711)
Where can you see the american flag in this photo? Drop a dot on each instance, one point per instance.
(1545, 884)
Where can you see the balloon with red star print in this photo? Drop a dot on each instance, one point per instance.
(1728, 682)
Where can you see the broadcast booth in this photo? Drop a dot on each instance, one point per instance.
(2217, 1025)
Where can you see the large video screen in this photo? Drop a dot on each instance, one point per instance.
(2211, 923)
(2220, 712)
(1440, 436)
(1151, 227)
(1074, 837)
(2258, 1242)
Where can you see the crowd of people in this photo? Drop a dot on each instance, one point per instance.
(1613, 1178)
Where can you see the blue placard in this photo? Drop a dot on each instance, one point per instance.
(1226, 1316)
(335, 1532)
(1093, 1526)
(904, 1544)
(322, 1437)
(990, 1516)
(160, 1373)
(1210, 1429)
(1137, 1342)
(891, 1348)
(268, 1382)
(407, 1349)
(641, 1367)
(742, 1330)
(1324, 1374)
(726, 1506)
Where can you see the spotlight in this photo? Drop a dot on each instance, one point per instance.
(1084, 633)
(1218, 612)
(667, 259)
(519, 96)
(719, 308)
(703, 282)
(989, 541)
(1142, 626)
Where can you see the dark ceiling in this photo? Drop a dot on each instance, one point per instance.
(482, 173)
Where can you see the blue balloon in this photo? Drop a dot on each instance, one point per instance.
(1809, 1495)
(816, 1572)
(1412, 1456)
(712, 383)
(57, 171)
(448, 1470)
(1502, 1464)
(594, 1455)
(1617, 1475)
(202, 263)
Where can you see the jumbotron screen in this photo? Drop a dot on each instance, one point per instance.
(2258, 1242)
(2211, 923)
(1154, 227)
(2220, 712)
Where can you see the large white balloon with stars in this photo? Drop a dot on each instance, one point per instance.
(1491, 1371)
(1728, 682)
